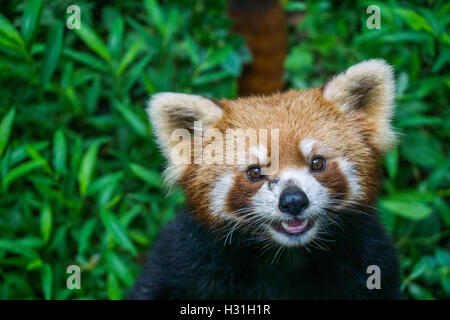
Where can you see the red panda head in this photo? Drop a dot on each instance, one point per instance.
(315, 152)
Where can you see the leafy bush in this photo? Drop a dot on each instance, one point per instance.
(80, 173)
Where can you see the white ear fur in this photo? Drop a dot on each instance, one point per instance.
(170, 111)
(367, 87)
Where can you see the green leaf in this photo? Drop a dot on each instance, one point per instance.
(21, 171)
(119, 267)
(93, 41)
(443, 257)
(407, 209)
(210, 77)
(85, 234)
(52, 52)
(93, 95)
(420, 148)
(135, 72)
(46, 222)
(192, 49)
(86, 59)
(11, 42)
(19, 247)
(13, 50)
(442, 60)
(414, 20)
(30, 19)
(139, 237)
(232, 64)
(419, 120)
(113, 287)
(419, 292)
(103, 182)
(59, 152)
(35, 155)
(5, 129)
(214, 58)
(117, 230)
(130, 56)
(391, 162)
(21, 152)
(47, 281)
(9, 33)
(151, 177)
(294, 6)
(115, 36)
(87, 167)
(419, 269)
(133, 120)
(388, 220)
(156, 14)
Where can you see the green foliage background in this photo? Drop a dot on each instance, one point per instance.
(80, 172)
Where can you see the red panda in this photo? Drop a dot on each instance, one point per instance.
(296, 219)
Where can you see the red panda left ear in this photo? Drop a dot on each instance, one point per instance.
(367, 88)
(175, 113)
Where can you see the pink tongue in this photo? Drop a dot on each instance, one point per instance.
(295, 223)
(294, 226)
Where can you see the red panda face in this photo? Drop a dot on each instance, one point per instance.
(319, 156)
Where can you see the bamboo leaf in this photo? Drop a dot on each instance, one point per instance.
(52, 52)
(117, 231)
(46, 222)
(21, 171)
(87, 167)
(150, 177)
(5, 129)
(407, 209)
(30, 19)
(133, 120)
(59, 152)
(130, 56)
(115, 37)
(47, 281)
(113, 287)
(9, 32)
(93, 41)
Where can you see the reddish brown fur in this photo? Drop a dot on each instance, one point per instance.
(242, 191)
(298, 115)
(333, 178)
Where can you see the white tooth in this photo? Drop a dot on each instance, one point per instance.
(304, 223)
(285, 225)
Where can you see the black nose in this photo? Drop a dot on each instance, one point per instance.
(293, 201)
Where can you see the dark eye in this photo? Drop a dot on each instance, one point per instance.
(254, 173)
(318, 164)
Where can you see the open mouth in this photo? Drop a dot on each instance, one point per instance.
(293, 227)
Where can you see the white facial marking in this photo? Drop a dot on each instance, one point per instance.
(219, 194)
(265, 203)
(260, 152)
(265, 200)
(317, 194)
(307, 145)
(348, 169)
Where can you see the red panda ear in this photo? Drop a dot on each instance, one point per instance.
(171, 113)
(367, 88)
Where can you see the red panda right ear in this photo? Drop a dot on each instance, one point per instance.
(366, 89)
(172, 111)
